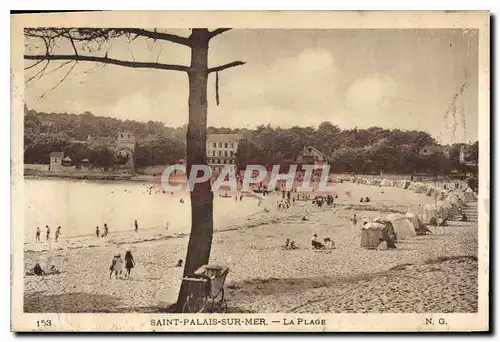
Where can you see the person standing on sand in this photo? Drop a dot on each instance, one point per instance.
(113, 265)
(48, 232)
(58, 232)
(106, 230)
(97, 231)
(129, 263)
(136, 225)
(37, 234)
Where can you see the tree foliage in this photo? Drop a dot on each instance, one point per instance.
(368, 151)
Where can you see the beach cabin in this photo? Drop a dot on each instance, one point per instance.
(66, 161)
(84, 164)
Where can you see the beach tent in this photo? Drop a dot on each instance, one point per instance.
(430, 211)
(455, 199)
(469, 195)
(441, 196)
(386, 182)
(372, 232)
(420, 228)
(405, 184)
(402, 226)
(420, 188)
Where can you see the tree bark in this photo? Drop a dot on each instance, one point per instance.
(200, 239)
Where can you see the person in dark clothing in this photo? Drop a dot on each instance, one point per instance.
(136, 225)
(112, 267)
(106, 230)
(129, 263)
(97, 231)
(58, 233)
(48, 232)
(315, 243)
(38, 234)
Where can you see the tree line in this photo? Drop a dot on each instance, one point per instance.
(366, 151)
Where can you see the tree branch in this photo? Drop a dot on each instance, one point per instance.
(107, 60)
(216, 32)
(72, 42)
(226, 66)
(60, 81)
(39, 73)
(33, 65)
(158, 35)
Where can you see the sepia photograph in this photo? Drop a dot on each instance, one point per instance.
(285, 174)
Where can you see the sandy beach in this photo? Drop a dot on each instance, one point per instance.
(263, 276)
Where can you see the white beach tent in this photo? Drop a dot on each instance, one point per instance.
(386, 182)
(431, 211)
(403, 227)
(469, 195)
(420, 227)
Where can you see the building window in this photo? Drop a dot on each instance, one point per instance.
(225, 145)
(225, 153)
(220, 153)
(215, 145)
(232, 145)
(232, 154)
(310, 150)
(121, 135)
(220, 145)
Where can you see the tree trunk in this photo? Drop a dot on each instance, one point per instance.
(200, 239)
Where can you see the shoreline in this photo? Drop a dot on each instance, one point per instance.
(92, 176)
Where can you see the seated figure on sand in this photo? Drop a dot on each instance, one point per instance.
(315, 243)
(382, 246)
(329, 244)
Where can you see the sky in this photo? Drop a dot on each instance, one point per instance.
(353, 78)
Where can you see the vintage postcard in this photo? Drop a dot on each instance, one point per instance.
(250, 171)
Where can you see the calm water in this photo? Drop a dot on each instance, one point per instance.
(79, 206)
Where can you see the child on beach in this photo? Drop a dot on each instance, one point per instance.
(37, 234)
(48, 232)
(97, 231)
(116, 266)
(129, 263)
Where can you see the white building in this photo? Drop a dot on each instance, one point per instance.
(56, 159)
(221, 149)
